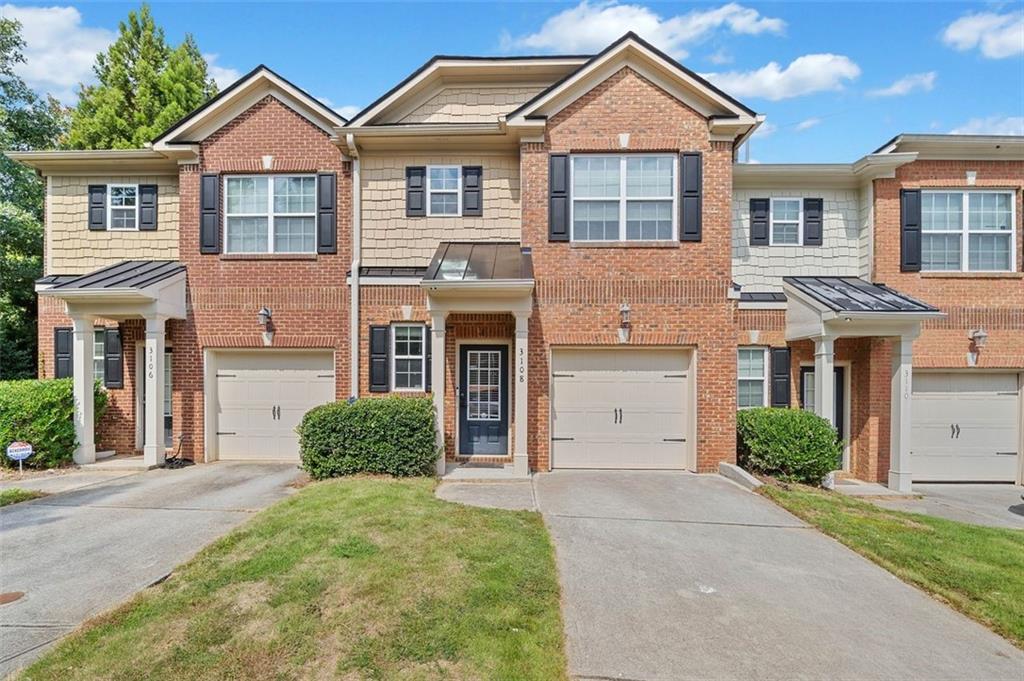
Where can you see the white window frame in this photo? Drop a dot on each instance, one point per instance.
(99, 361)
(270, 211)
(765, 377)
(623, 199)
(111, 207)
(965, 232)
(799, 221)
(422, 357)
(457, 191)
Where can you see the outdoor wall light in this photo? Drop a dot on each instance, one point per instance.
(624, 325)
(979, 336)
(264, 316)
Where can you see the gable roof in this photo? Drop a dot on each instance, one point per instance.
(241, 95)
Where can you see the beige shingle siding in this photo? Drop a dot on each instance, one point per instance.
(470, 104)
(391, 238)
(74, 249)
(761, 268)
(866, 207)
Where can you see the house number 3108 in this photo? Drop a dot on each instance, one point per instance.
(522, 365)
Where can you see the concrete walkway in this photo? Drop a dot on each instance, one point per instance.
(678, 576)
(993, 505)
(84, 551)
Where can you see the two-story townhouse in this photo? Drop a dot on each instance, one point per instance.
(561, 250)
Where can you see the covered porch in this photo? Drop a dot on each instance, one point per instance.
(480, 279)
(826, 309)
(135, 289)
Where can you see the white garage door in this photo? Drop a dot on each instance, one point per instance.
(262, 397)
(965, 427)
(621, 408)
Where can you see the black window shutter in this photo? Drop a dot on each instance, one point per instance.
(326, 213)
(415, 191)
(62, 352)
(380, 341)
(113, 363)
(147, 207)
(910, 230)
(558, 197)
(97, 207)
(780, 377)
(814, 210)
(472, 190)
(690, 196)
(759, 209)
(209, 214)
(428, 374)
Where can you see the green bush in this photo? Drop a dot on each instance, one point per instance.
(391, 435)
(790, 444)
(42, 413)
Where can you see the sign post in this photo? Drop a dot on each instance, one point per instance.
(19, 451)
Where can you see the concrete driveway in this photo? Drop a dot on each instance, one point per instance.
(79, 553)
(993, 505)
(679, 576)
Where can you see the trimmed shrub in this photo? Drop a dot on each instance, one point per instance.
(790, 444)
(390, 435)
(42, 413)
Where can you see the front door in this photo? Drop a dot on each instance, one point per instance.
(483, 400)
(807, 396)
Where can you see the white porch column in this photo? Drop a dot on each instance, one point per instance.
(437, 348)
(824, 378)
(899, 414)
(520, 460)
(83, 381)
(154, 446)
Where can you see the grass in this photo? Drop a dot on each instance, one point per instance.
(14, 495)
(360, 578)
(977, 570)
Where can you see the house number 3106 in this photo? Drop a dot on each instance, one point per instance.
(150, 363)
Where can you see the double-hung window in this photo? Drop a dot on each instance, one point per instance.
(786, 221)
(624, 198)
(444, 186)
(270, 214)
(409, 356)
(752, 373)
(99, 355)
(971, 231)
(123, 206)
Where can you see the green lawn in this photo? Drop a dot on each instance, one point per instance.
(14, 495)
(977, 570)
(352, 578)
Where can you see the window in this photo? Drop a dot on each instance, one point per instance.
(787, 221)
(444, 184)
(123, 206)
(99, 354)
(270, 214)
(752, 370)
(970, 231)
(624, 198)
(408, 353)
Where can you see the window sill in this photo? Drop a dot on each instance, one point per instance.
(624, 244)
(972, 275)
(268, 256)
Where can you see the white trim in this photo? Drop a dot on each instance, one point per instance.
(510, 344)
(422, 357)
(847, 366)
(622, 199)
(111, 207)
(799, 221)
(965, 232)
(270, 215)
(457, 191)
(765, 378)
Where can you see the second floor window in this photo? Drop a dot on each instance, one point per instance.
(123, 206)
(443, 187)
(624, 198)
(785, 221)
(270, 214)
(969, 231)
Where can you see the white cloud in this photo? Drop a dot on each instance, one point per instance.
(59, 51)
(807, 124)
(223, 76)
(804, 75)
(720, 57)
(765, 130)
(907, 84)
(592, 26)
(996, 35)
(347, 111)
(992, 125)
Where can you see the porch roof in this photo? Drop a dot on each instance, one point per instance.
(135, 274)
(852, 294)
(460, 261)
(131, 288)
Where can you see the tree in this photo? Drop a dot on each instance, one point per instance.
(26, 122)
(143, 86)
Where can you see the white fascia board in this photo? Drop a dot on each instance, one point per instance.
(96, 162)
(762, 305)
(408, 130)
(385, 281)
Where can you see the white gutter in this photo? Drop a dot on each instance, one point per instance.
(357, 242)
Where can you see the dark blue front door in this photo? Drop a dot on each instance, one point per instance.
(483, 399)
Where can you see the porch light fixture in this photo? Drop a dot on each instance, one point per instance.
(624, 325)
(264, 317)
(979, 336)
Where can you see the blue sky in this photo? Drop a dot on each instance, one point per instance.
(835, 80)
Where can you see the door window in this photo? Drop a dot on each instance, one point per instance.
(483, 389)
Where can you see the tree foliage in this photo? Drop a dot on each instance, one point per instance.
(144, 86)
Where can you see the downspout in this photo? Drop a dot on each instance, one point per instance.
(357, 244)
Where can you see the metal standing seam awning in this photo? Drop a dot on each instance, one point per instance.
(130, 288)
(465, 269)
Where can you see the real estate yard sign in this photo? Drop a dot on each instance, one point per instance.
(19, 451)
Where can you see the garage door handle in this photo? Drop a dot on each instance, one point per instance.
(958, 431)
